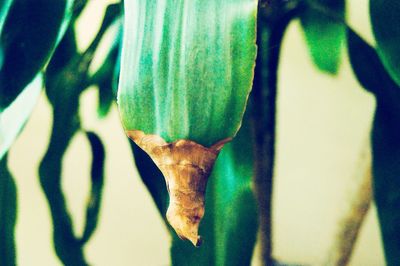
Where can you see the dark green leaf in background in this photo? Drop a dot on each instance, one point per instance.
(8, 215)
(67, 76)
(29, 36)
(106, 77)
(361, 52)
(4, 8)
(386, 27)
(105, 83)
(97, 183)
(13, 118)
(324, 34)
(152, 178)
(385, 141)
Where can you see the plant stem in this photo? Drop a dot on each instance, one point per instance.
(270, 32)
(360, 201)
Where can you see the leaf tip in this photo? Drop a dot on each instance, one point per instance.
(186, 166)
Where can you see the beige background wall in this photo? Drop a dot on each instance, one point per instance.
(322, 125)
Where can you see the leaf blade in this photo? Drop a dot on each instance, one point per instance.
(8, 214)
(385, 141)
(386, 28)
(29, 36)
(97, 184)
(182, 78)
(324, 35)
(13, 118)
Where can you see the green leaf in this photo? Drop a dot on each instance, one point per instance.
(105, 79)
(68, 247)
(29, 36)
(66, 78)
(187, 67)
(234, 201)
(105, 84)
(64, 83)
(385, 141)
(13, 118)
(324, 34)
(365, 61)
(386, 28)
(4, 8)
(97, 180)
(8, 214)
(152, 178)
(230, 224)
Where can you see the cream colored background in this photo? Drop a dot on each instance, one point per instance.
(322, 123)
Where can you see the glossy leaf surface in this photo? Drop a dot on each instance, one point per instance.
(230, 223)
(29, 36)
(385, 141)
(386, 27)
(13, 118)
(187, 67)
(324, 34)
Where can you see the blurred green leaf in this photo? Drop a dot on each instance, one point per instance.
(13, 118)
(187, 67)
(78, 7)
(385, 141)
(66, 78)
(29, 36)
(386, 27)
(97, 181)
(105, 84)
(234, 201)
(8, 214)
(4, 8)
(360, 53)
(152, 178)
(64, 83)
(229, 226)
(113, 12)
(65, 123)
(324, 34)
(105, 77)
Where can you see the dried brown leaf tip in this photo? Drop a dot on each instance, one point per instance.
(186, 166)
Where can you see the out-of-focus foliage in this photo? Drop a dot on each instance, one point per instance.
(8, 214)
(106, 79)
(372, 75)
(4, 8)
(23, 53)
(13, 118)
(27, 40)
(325, 34)
(67, 76)
(386, 27)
